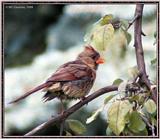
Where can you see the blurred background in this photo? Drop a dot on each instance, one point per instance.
(38, 38)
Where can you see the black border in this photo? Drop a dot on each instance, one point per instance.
(77, 2)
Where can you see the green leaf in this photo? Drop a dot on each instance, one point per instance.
(106, 19)
(117, 81)
(108, 98)
(153, 61)
(76, 126)
(124, 23)
(155, 34)
(68, 133)
(117, 113)
(142, 133)
(128, 37)
(150, 106)
(133, 71)
(94, 115)
(136, 124)
(140, 98)
(122, 86)
(102, 36)
(109, 131)
(154, 121)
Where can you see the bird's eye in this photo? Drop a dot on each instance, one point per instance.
(95, 56)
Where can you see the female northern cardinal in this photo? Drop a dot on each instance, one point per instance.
(71, 80)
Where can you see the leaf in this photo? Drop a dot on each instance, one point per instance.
(76, 126)
(133, 71)
(140, 98)
(106, 19)
(109, 131)
(122, 86)
(136, 124)
(108, 98)
(154, 121)
(102, 36)
(153, 61)
(68, 133)
(155, 34)
(150, 106)
(94, 115)
(118, 44)
(117, 115)
(142, 133)
(124, 23)
(128, 37)
(117, 81)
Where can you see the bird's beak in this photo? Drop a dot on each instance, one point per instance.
(100, 61)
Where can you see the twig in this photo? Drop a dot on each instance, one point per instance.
(63, 121)
(130, 23)
(149, 125)
(62, 127)
(152, 127)
(72, 109)
(139, 51)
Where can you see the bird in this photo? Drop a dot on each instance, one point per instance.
(72, 80)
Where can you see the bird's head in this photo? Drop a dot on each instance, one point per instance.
(91, 57)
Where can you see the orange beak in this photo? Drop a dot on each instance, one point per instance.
(100, 61)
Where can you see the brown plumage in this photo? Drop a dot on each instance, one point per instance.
(71, 80)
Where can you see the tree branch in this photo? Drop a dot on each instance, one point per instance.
(72, 109)
(149, 125)
(139, 51)
(130, 23)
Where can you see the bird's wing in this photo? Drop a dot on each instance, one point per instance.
(70, 71)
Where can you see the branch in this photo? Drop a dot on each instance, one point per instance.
(149, 125)
(139, 51)
(72, 109)
(130, 23)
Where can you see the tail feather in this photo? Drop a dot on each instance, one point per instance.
(49, 96)
(30, 92)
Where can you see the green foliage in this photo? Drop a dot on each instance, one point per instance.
(106, 19)
(128, 36)
(136, 124)
(109, 132)
(68, 133)
(94, 115)
(124, 24)
(133, 71)
(108, 98)
(140, 98)
(153, 121)
(122, 86)
(76, 126)
(154, 61)
(117, 115)
(117, 81)
(101, 36)
(97, 112)
(155, 34)
(150, 106)
(104, 36)
(124, 115)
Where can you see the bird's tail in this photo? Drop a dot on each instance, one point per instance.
(30, 92)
